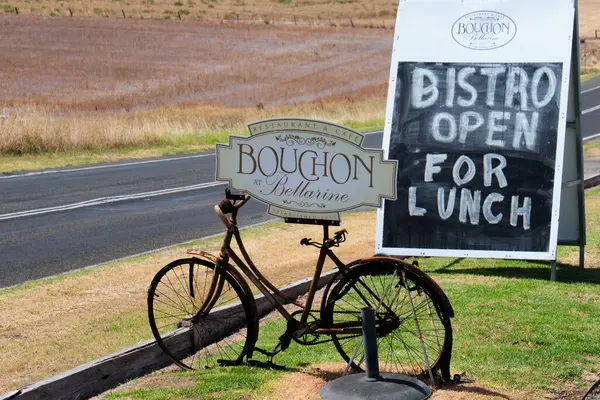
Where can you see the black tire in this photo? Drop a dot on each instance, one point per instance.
(221, 336)
(593, 393)
(398, 344)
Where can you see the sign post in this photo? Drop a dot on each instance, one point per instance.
(571, 230)
(476, 117)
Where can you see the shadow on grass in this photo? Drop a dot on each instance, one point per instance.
(474, 390)
(541, 270)
(304, 367)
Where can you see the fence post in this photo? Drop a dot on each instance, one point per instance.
(352, 23)
(179, 14)
(70, 11)
(238, 18)
(123, 11)
(295, 23)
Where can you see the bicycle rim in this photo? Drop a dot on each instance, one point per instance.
(411, 339)
(221, 334)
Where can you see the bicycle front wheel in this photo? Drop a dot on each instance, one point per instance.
(412, 318)
(201, 316)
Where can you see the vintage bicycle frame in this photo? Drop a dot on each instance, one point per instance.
(271, 292)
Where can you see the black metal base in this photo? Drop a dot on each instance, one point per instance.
(390, 386)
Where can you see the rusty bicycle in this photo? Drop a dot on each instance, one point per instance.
(206, 299)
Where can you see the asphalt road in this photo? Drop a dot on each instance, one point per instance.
(590, 109)
(72, 218)
(58, 220)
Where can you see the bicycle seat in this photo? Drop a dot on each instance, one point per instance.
(226, 206)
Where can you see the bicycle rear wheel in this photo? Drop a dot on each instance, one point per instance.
(403, 331)
(200, 317)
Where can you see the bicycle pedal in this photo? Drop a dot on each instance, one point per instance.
(267, 365)
(271, 353)
(460, 378)
(229, 363)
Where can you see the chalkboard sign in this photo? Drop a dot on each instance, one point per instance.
(477, 144)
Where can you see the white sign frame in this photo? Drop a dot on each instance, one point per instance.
(416, 40)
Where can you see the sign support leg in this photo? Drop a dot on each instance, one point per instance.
(582, 256)
(553, 270)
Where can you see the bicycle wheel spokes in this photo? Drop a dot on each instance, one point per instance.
(402, 350)
(213, 347)
(398, 339)
(208, 313)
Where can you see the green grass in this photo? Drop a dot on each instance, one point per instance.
(234, 383)
(513, 328)
(591, 149)
(517, 329)
(366, 126)
(164, 145)
(588, 73)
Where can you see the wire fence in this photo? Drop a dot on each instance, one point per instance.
(376, 22)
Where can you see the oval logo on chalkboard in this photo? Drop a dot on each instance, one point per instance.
(484, 30)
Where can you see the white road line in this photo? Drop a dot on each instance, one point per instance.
(589, 90)
(589, 110)
(62, 171)
(269, 220)
(587, 138)
(106, 200)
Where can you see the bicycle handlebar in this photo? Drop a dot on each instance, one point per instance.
(235, 196)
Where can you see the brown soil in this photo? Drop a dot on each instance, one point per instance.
(111, 64)
(306, 384)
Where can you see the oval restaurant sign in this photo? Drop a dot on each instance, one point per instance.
(484, 30)
(306, 169)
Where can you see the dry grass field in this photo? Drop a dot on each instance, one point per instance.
(84, 64)
(84, 83)
(589, 17)
(76, 84)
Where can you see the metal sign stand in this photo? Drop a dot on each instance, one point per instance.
(573, 229)
(373, 384)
